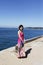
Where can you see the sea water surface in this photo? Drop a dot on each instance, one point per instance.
(8, 36)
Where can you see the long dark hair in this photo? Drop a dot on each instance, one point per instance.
(21, 26)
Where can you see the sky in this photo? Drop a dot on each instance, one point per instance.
(26, 12)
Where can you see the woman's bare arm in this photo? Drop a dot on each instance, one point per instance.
(19, 35)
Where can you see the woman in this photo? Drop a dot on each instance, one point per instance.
(21, 52)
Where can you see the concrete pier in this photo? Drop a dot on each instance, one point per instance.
(34, 50)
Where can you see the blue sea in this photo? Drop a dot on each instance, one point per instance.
(8, 36)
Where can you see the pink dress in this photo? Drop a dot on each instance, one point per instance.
(19, 40)
(21, 51)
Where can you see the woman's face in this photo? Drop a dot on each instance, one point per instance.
(21, 28)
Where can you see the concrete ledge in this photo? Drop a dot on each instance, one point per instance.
(32, 39)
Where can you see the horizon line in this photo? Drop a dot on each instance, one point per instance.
(24, 27)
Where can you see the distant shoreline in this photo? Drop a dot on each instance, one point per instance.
(34, 28)
(24, 27)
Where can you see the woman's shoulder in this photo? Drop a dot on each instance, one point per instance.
(18, 31)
